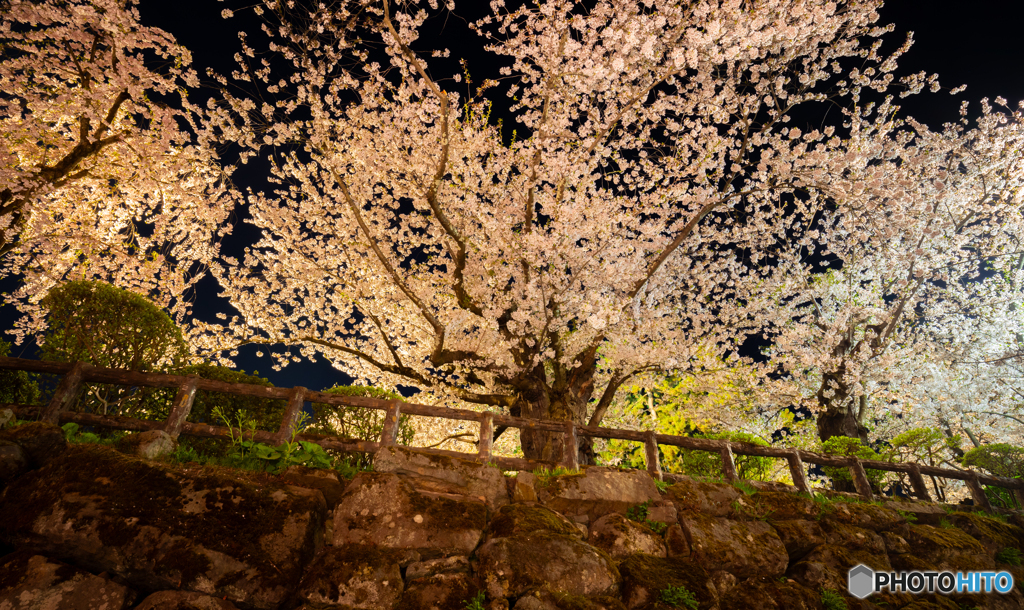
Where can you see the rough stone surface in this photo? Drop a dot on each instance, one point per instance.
(161, 527)
(992, 533)
(432, 567)
(644, 577)
(663, 511)
(353, 577)
(317, 478)
(924, 513)
(598, 491)
(512, 566)
(744, 548)
(869, 516)
(33, 582)
(151, 444)
(440, 592)
(943, 548)
(444, 474)
(517, 519)
(6, 417)
(619, 537)
(546, 600)
(523, 487)
(41, 442)
(713, 499)
(770, 594)
(184, 600)
(378, 508)
(799, 537)
(675, 541)
(783, 506)
(13, 461)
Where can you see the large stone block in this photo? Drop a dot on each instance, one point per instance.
(33, 582)
(799, 537)
(184, 600)
(713, 499)
(644, 578)
(517, 519)
(770, 594)
(41, 442)
(353, 577)
(381, 509)
(511, 566)
(598, 491)
(317, 478)
(743, 548)
(444, 474)
(161, 527)
(13, 461)
(620, 537)
(440, 592)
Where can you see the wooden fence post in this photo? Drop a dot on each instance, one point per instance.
(917, 481)
(67, 391)
(291, 415)
(486, 436)
(653, 459)
(571, 450)
(978, 492)
(796, 469)
(389, 434)
(728, 464)
(181, 407)
(860, 479)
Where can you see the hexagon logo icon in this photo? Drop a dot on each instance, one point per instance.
(861, 579)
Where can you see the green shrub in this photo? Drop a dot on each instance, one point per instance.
(709, 465)
(845, 445)
(109, 327)
(1000, 459)
(17, 387)
(266, 412)
(357, 422)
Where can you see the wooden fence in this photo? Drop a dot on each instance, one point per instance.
(79, 373)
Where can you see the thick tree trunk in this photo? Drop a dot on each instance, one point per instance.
(839, 416)
(840, 422)
(564, 398)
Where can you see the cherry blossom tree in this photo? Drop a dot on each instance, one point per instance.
(102, 170)
(632, 224)
(915, 319)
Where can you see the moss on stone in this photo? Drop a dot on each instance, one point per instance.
(338, 565)
(783, 506)
(943, 538)
(514, 519)
(656, 573)
(134, 494)
(989, 531)
(449, 514)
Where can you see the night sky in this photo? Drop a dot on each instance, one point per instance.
(977, 43)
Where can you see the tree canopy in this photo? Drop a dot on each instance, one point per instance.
(666, 179)
(103, 173)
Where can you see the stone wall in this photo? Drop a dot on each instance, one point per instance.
(87, 527)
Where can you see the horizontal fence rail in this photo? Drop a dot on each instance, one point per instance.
(74, 375)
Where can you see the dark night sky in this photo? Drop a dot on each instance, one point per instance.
(976, 43)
